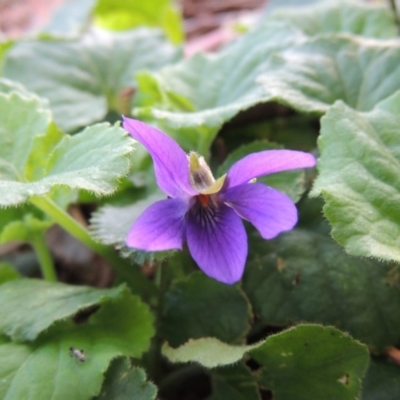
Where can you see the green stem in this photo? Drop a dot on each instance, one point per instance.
(393, 5)
(69, 224)
(162, 283)
(45, 259)
(133, 274)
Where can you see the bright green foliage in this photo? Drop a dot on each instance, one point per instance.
(24, 229)
(359, 169)
(382, 381)
(7, 273)
(199, 306)
(24, 119)
(234, 382)
(85, 77)
(72, 17)
(93, 160)
(305, 276)
(312, 362)
(26, 222)
(45, 369)
(30, 306)
(4, 46)
(127, 14)
(124, 382)
(343, 16)
(18, 223)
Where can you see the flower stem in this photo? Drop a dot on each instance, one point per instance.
(137, 282)
(162, 283)
(45, 259)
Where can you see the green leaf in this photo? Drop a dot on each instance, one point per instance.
(291, 182)
(124, 382)
(85, 77)
(382, 381)
(272, 5)
(9, 86)
(353, 17)
(30, 306)
(25, 229)
(129, 14)
(312, 359)
(19, 223)
(93, 160)
(191, 100)
(209, 352)
(198, 306)
(311, 76)
(294, 363)
(110, 224)
(45, 369)
(15, 222)
(305, 276)
(234, 382)
(359, 169)
(25, 118)
(8, 273)
(5, 45)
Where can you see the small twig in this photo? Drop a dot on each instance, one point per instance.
(394, 354)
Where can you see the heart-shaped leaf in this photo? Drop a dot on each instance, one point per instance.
(342, 16)
(198, 307)
(359, 169)
(305, 276)
(69, 360)
(314, 359)
(84, 78)
(93, 160)
(31, 306)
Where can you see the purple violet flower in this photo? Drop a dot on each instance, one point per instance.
(206, 213)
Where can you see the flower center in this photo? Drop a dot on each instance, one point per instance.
(203, 199)
(201, 177)
(205, 210)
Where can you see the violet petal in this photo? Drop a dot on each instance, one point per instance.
(217, 241)
(267, 162)
(171, 165)
(269, 210)
(160, 227)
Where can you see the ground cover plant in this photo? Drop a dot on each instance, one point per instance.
(224, 226)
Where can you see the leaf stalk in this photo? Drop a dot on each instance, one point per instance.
(38, 243)
(136, 280)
